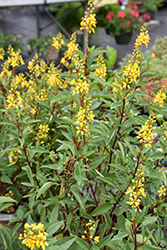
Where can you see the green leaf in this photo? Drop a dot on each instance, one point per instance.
(141, 216)
(6, 199)
(67, 242)
(77, 173)
(53, 228)
(82, 243)
(101, 209)
(111, 134)
(20, 213)
(111, 54)
(32, 121)
(42, 190)
(62, 97)
(107, 180)
(22, 141)
(96, 78)
(29, 174)
(8, 124)
(5, 206)
(122, 150)
(6, 237)
(6, 179)
(104, 241)
(97, 161)
(79, 199)
(157, 156)
(121, 234)
(149, 220)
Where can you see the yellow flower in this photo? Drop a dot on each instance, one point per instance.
(96, 239)
(34, 236)
(136, 191)
(57, 41)
(146, 132)
(160, 97)
(153, 55)
(89, 21)
(162, 191)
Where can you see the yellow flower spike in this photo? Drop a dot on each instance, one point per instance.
(57, 41)
(89, 21)
(136, 191)
(146, 132)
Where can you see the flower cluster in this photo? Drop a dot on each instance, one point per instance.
(131, 72)
(118, 21)
(43, 132)
(84, 116)
(89, 21)
(13, 156)
(146, 132)
(102, 69)
(161, 96)
(69, 54)
(57, 41)
(137, 191)
(87, 233)
(34, 236)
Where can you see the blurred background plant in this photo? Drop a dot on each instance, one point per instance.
(72, 21)
(42, 45)
(153, 69)
(118, 21)
(14, 41)
(153, 5)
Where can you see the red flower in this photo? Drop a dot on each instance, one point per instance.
(135, 7)
(110, 15)
(148, 84)
(134, 14)
(147, 17)
(121, 14)
(150, 91)
(128, 23)
(145, 98)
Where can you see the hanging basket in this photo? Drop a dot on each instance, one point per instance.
(124, 39)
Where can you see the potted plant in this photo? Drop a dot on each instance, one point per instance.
(119, 23)
(152, 6)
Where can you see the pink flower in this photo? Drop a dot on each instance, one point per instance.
(145, 98)
(150, 91)
(148, 84)
(128, 23)
(121, 14)
(135, 7)
(134, 14)
(110, 15)
(147, 17)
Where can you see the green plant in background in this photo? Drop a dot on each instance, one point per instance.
(14, 41)
(42, 45)
(74, 16)
(153, 5)
(153, 68)
(78, 177)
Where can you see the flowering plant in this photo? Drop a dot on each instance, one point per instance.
(79, 179)
(118, 21)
